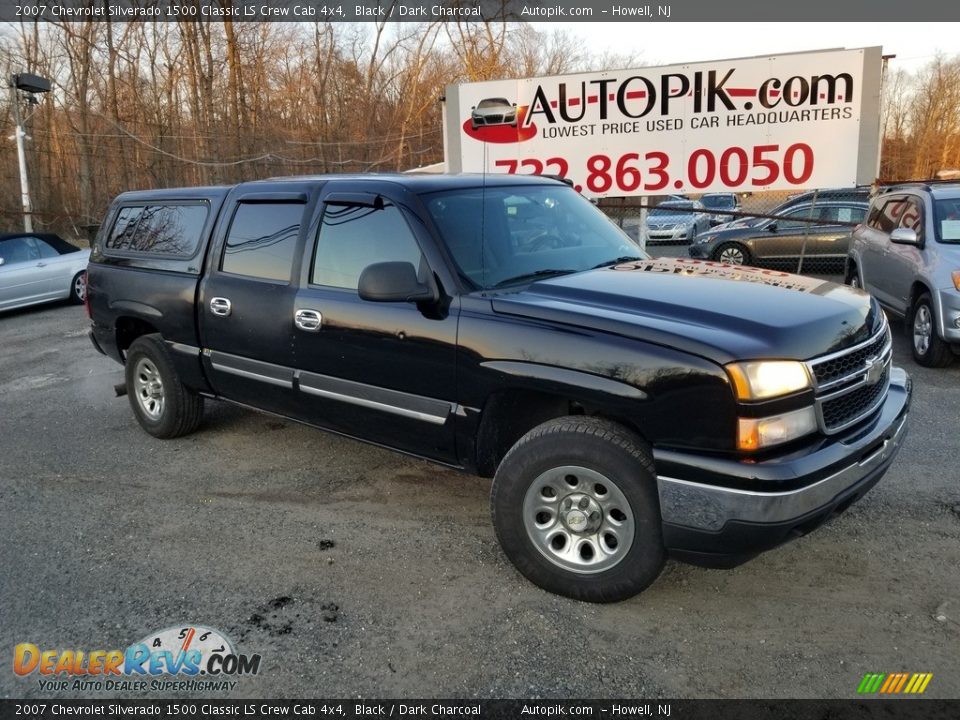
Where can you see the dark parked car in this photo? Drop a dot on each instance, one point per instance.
(819, 232)
(717, 203)
(856, 195)
(40, 267)
(627, 408)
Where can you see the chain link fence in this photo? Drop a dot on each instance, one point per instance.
(805, 232)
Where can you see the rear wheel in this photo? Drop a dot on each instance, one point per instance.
(576, 510)
(732, 254)
(160, 402)
(928, 348)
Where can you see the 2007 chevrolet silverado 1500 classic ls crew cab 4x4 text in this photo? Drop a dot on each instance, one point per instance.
(627, 408)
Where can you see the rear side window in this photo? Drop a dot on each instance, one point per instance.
(262, 240)
(173, 229)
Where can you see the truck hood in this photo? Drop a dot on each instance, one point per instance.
(717, 311)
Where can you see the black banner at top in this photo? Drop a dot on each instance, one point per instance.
(639, 11)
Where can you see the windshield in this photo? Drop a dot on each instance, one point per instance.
(947, 213)
(672, 208)
(719, 202)
(508, 235)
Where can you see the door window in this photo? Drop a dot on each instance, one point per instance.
(843, 214)
(799, 218)
(353, 237)
(262, 240)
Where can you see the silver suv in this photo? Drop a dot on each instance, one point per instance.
(907, 255)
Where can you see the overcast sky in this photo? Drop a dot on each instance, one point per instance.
(914, 44)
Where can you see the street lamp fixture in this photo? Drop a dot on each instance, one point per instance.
(31, 84)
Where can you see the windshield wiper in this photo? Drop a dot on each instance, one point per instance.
(533, 275)
(617, 261)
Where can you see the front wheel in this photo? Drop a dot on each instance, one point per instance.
(163, 406)
(732, 254)
(576, 510)
(928, 348)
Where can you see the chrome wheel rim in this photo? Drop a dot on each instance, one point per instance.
(578, 519)
(732, 256)
(148, 389)
(80, 287)
(922, 330)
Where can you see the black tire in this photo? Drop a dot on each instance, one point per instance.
(730, 248)
(160, 402)
(593, 448)
(927, 346)
(78, 288)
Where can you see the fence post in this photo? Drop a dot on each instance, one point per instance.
(806, 231)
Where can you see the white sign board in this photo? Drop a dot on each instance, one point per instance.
(792, 121)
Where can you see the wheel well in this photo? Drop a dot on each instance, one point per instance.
(849, 266)
(916, 290)
(511, 414)
(129, 329)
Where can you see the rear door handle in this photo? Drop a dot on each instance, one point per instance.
(220, 306)
(308, 320)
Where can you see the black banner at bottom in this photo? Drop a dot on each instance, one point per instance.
(905, 709)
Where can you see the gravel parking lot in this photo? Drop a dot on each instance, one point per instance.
(354, 571)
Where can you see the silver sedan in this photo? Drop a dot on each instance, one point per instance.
(40, 267)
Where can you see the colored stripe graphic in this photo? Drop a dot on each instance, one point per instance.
(894, 683)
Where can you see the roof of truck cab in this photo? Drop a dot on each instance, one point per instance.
(424, 182)
(414, 182)
(180, 193)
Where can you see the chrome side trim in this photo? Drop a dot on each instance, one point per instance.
(184, 348)
(426, 409)
(395, 402)
(709, 508)
(251, 369)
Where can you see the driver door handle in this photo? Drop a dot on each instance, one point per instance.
(308, 320)
(220, 306)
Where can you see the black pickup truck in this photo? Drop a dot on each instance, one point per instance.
(627, 408)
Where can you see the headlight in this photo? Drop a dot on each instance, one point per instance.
(768, 378)
(703, 239)
(759, 433)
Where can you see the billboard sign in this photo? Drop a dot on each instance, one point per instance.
(784, 122)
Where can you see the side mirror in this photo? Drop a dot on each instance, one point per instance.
(393, 282)
(772, 227)
(905, 236)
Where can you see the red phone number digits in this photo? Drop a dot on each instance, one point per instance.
(735, 167)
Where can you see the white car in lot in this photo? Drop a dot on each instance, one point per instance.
(40, 267)
(677, 221)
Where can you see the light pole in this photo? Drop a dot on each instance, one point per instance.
(31, 84)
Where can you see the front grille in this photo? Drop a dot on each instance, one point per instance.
(836, 368)
(852, 384)
(847, 408)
